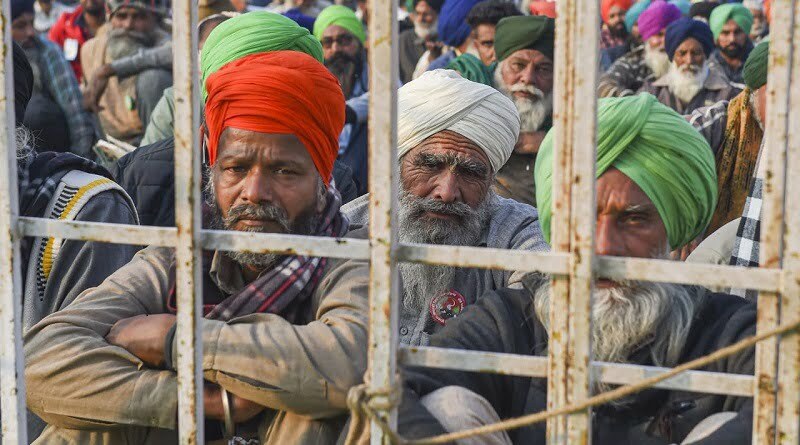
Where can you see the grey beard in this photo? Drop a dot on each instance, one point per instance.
(123, 43)
(24, 141)
(632, 316)
(685, 85)
(423, 31)
(421, 282)
(656, 60)
(532, 112)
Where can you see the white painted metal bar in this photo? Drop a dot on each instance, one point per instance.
(12, 359)
(95, 231)
(614, 373)
(573, 229)
(189, 285)
(555, 263)
(383, 287)
(285, 244)
(788, 417)
(775, 135)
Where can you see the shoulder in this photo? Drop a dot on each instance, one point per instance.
(725, 318)
(357, 212)
(705, 117)
(138, 159)
(512, 219)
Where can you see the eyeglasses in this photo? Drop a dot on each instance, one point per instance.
(341, 40)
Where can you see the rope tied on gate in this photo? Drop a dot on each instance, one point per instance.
(360, 404)
(365, 404)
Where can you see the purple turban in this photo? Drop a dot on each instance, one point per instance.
(682, 29)
(656, 17)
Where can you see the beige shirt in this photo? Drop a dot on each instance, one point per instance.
(76, 380)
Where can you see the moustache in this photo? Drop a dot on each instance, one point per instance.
(530, 89)
(458, 210)
(266, 213)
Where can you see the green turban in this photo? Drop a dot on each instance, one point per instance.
(736, 11)
(471, 68)
(525, 32)
(252, 33)
(340, 16)
(658, 150)
(755, 68)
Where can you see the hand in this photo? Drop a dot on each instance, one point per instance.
(682, 253)
(529, 142)
(95, 88)
(143, 336)
(242, 409)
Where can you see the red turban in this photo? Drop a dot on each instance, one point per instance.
(606, 5)
(280, 92)
(546, 8)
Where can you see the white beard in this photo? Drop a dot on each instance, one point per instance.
(532, 111)
(685, 82)
(629, 317)
(422, 30)
(656, 60)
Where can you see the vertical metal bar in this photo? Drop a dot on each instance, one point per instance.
(12, 361)
(574, 218)
(775, 134)
(187, 220)
(383, 72)
(788, 418)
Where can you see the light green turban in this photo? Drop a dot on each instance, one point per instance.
(252, 33)
(658, 150)
(340, 16)
(736, 11)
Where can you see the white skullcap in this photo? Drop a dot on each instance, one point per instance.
(443, 100)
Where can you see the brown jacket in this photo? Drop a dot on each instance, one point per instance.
(86, 389)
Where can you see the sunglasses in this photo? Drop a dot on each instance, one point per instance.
(341, 40)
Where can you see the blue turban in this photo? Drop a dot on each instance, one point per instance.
(632, 16)
(19, 7)
(682, 29)
(453, 28)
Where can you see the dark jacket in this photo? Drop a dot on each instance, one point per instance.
(148, 175)
(410, 50)
(505, 321)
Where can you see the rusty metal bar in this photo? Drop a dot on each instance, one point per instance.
(382, 122)
(12, 358)
(189, 285)
(788, 409)
(535, 366)
(776, 137)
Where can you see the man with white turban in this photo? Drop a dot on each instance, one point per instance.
(453, 136)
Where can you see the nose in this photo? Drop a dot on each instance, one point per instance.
(127, 23)
(607, 238)
(256, 189)
(526, 75)
(447, 188)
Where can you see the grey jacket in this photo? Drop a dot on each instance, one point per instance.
(504, 321)
(513, 225)
(87, 389)
(715, 88)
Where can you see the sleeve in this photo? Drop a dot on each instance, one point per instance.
(63, 87)
(618, 81)
(76, 380)
(711, 122)
(81, 265)
(360, 105)
(486, 326)
(144, 59)
(160, 126)
(527, 235)
(307, 369)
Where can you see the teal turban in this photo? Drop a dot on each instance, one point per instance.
(632, 16)
(658, 150)
(252, 33)
(471, 68)
(736, 11)
(755, 68)
(340, 16)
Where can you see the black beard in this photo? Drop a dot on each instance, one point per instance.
(345, 68)
(734, 51)
(619, 30)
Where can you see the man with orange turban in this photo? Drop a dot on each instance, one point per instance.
(284, 336)
(614, 32)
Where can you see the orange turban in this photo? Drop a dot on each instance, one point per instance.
(606, 5)
(280, 92)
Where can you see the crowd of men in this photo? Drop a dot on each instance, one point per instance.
(284, 93)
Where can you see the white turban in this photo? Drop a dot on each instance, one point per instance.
(443, 100)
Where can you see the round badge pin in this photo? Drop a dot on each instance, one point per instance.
(446, 306)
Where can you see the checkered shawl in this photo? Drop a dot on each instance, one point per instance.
(748, 235)
(282, 289)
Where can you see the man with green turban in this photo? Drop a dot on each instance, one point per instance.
(524, 46)
(656, 190)
(731, 23)
(342, 36)
(735, 131)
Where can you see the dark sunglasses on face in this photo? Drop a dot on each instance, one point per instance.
(341, 40)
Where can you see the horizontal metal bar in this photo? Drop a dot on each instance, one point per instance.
(286, 244)
(535, 366)
(554, 263)
(95, 231)
(708, 275)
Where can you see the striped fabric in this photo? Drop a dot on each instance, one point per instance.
(626, 75)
